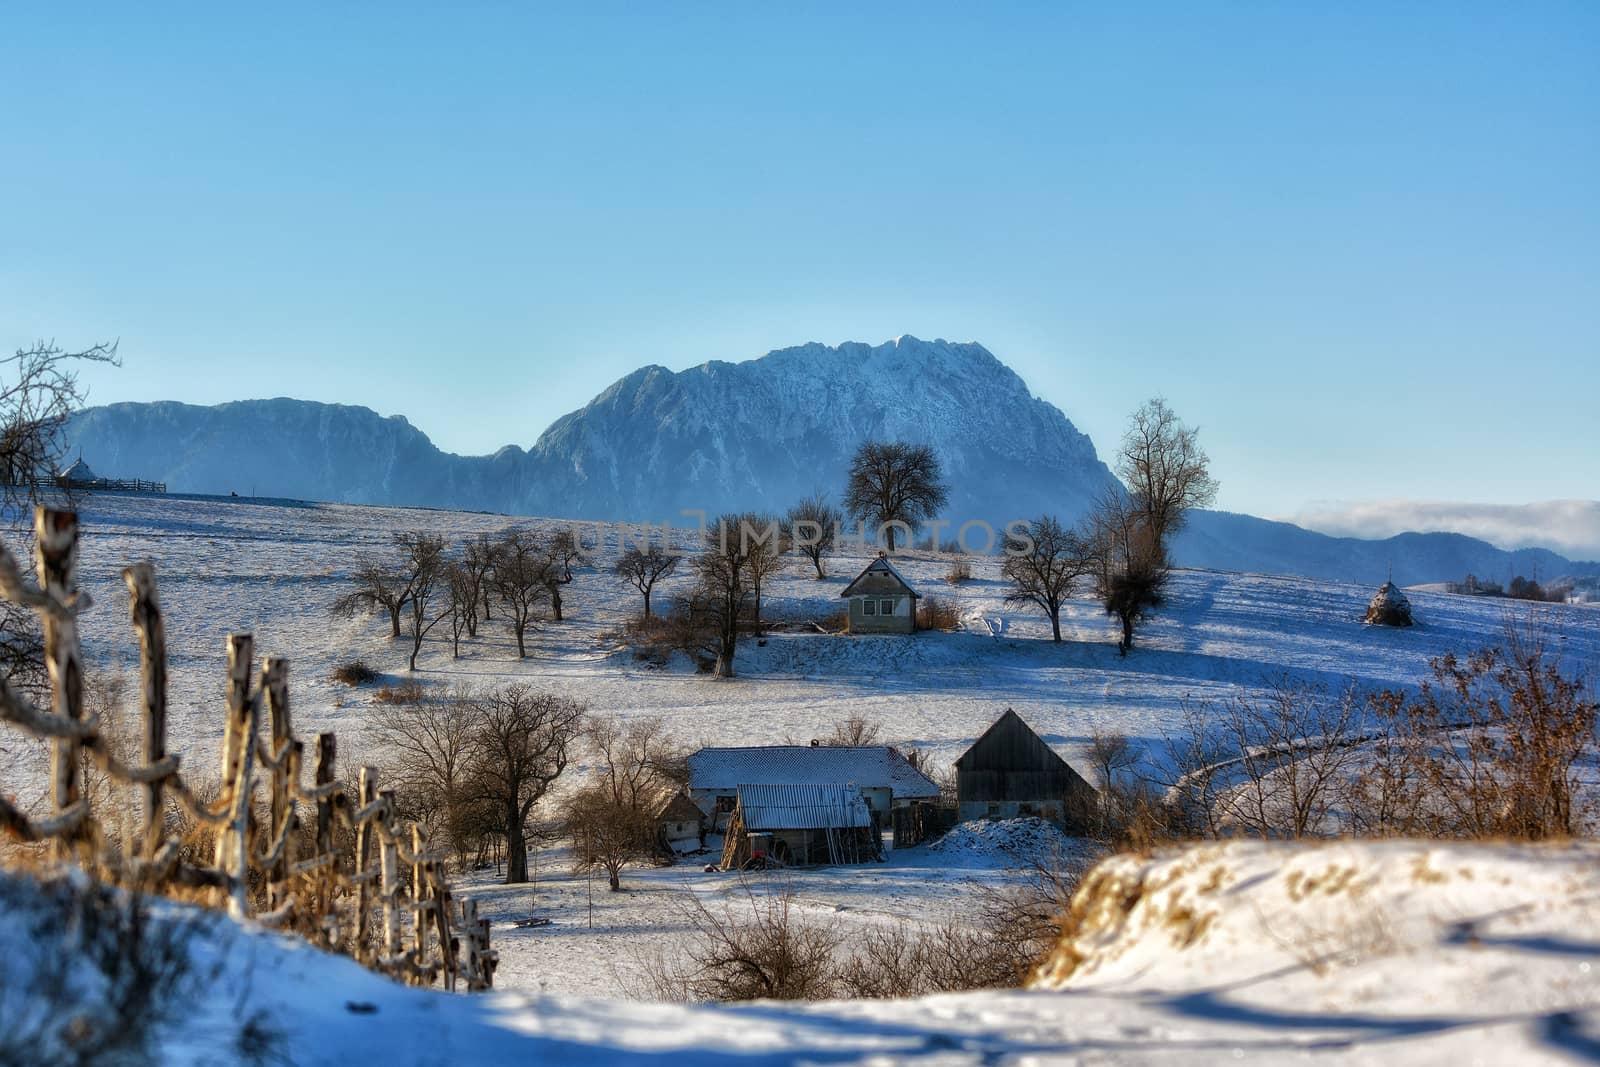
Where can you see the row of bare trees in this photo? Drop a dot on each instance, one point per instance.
(421, 582)
(1124, 545)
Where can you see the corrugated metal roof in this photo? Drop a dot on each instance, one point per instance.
(802, 807)
(867, 766)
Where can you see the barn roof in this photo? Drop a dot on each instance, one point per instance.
(674, 806)
(867, 766)
(79, 472)
(881, 566)
(1011, 723)
(802, 807)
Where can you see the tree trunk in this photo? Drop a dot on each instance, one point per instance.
(616, 881)
(394, 620)
(516, 847)
(647, 603)
(1127, 635)
(555, 602)
(816, 561)
(1055, 624)
(522, 649)
(416, 646)
(888, 533)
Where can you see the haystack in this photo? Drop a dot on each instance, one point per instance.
(1390, 607)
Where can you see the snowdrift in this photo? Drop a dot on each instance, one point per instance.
(1342, 953)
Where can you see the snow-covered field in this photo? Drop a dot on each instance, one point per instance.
(275, 567)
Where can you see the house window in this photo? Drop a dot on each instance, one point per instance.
(869, 607)
(994, 811)
(885, 607)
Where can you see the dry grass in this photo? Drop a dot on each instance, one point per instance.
(411, 692)
(936, 614)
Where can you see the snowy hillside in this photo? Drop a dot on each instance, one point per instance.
(1391, 953)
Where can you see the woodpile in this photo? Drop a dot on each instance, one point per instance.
(328, 881)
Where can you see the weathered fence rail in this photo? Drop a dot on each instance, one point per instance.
(324, 881)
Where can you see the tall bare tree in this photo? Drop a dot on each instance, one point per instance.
(1043, 563)
(1166, 471)
(517, 578)
(522, 741)
(644, 567)
(724, 583)
(429, 602)
(430, 744)
(812, 526)
(477, 560)
(765, 560)
(894, 482)
(611, 820)
(1130, 567)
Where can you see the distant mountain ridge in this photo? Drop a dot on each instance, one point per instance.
(720, 436)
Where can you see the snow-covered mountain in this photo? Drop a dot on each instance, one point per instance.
(721, 436)
(758, 434)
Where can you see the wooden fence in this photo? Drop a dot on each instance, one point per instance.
(358, 880)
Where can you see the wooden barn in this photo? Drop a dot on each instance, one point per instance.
(881, 601)
(799, 825)
(1010, 772)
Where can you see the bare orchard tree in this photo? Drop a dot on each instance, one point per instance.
(1111, 751)
(558, 553)
(643, 568)
(430, 743)
(1130, 568)
(894, 482)
(39, 391)
(812, 526)
(854, 731)
(463, 593)
(430, 602)
(1166, 471)
(607, 834)
(517, 578)
(477, 560)
(387, 582)
(724, 584)
(1043, 563)
(766, 559)
(521, 743)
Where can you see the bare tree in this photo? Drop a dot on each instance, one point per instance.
(1166, 471)
(388, 582)
(1130, 569)
(558, 553)
(854, 731)
(765, 559)
(464, 592)
(430, 745)
(1111, 751)
(643, 568)
(1042, 564)
(517, 577)
(477, 560)
(724, 584)
(812, 526)
(521, 743)
(39, 391)
(894, 482)
(426, 565)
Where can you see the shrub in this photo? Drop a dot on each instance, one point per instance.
(936, 614)
(768, 951)
(405, 693)
(354, 673)
(960, 571)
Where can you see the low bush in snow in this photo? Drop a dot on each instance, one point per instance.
(354, 672)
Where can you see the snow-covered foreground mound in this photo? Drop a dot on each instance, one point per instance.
(1348, 953)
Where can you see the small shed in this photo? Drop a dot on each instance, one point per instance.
(881, 600)
(1010, 772)
(77, 475)
(679, 823)
(800, 825)
(1389, 607)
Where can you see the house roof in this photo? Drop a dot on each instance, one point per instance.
(880, 566)
(79, 472)
(802, 807)
(675, 806)
(1011, 721)
(867, 766)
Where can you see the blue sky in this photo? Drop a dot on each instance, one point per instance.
(1359, 245)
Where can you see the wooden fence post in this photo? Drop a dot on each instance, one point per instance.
(239, 748)
(56, 537)
(144, 608)
(275, 680)
(327, 750)
(368, 794)
(389, 872)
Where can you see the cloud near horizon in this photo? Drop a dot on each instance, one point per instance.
(1570, 527)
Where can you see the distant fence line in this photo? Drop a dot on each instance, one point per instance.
(379, 894)
(126, 485)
